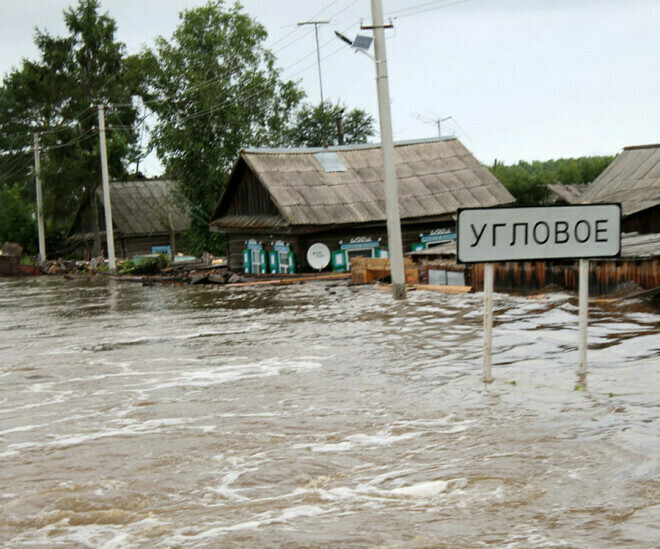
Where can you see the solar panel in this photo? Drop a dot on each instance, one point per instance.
(330, 161)
(362, 42)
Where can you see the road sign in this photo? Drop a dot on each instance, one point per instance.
(554, 232)
(486, 235)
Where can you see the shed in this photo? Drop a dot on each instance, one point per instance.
(633, 180)
(145, 216)
(565, 194)
(336, 195)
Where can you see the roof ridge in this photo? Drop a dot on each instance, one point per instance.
(341, 148)
(649, 146)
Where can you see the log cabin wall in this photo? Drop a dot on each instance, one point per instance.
(250, 198)
(604, 276)
(140, 245)
(331, 238)
(301, 242)
(644, 222)
(236, 245)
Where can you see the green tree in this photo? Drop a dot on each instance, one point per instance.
(528, 181)
(314, 126)
(16, 223)
(215, 89)
(54, 95)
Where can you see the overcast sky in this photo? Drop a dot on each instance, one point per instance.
(521, 79)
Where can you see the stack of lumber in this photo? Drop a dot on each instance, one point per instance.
(365, 270)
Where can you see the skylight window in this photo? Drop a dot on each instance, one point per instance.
(330, 161)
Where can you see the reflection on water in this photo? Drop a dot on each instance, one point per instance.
(321, 415)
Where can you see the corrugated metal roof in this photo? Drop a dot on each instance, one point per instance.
(142, 207)
(633, 179)
(435, 177)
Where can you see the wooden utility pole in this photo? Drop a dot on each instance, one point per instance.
(107, 206)
(318, 62)
(40, 201)
(387, 146)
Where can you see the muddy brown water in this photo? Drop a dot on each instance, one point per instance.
(319, 415)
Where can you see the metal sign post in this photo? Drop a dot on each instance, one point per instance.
(487, 235)
(584, 318)
(489, 277)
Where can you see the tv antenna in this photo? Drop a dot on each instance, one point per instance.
(437, 121)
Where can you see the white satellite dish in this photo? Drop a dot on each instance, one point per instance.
(318, 256)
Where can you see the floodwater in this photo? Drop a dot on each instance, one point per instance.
(320, 415)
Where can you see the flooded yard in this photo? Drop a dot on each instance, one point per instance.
(322, 415)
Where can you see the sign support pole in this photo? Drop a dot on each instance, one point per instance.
(488, 320)
(584, 318)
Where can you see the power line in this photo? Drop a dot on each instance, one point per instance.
(403, 11)
(173, 97)
(18, 169)
(217, 106)
(89, 134)
(295, 29)
(229, 68)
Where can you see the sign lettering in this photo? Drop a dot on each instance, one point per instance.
(563, 232)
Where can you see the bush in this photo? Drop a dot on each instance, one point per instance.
(148, 266)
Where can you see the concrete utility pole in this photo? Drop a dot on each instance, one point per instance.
(107, 206)
(318, 61)
(387, 146)
(40, 201)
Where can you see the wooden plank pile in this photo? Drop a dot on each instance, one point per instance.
(365, 270)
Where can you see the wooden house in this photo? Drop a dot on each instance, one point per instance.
(145, 215)
(293, 198)
(638, 265)
(633, 180)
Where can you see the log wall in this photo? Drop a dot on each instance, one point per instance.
(604, 276)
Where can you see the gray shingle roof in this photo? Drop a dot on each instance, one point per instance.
(141, 207)
(633, 179)
(435, 177)
(568, 193)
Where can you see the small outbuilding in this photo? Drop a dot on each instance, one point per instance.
(279, 202)
(564, 194)
(633, 180)
(145, 215)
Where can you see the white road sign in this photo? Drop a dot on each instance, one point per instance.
(554, 232)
